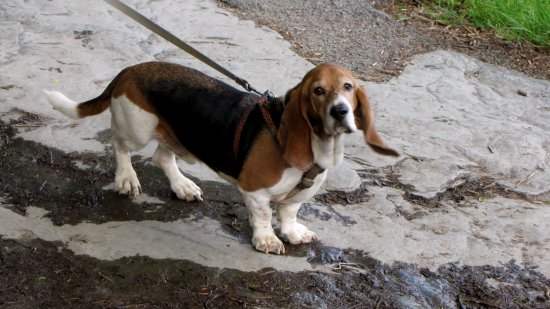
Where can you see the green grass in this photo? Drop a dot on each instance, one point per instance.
(515, 20)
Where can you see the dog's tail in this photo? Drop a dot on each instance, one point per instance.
(77, 110)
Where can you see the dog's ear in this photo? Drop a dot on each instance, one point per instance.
(365, 122)
(295, 131)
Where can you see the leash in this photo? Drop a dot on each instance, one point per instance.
(147, 23)
(309, 176)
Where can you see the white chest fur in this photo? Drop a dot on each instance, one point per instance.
(328, 152)
(290, 179)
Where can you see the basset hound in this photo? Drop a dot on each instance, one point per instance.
(284, 144)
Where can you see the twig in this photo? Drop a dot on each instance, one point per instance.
(506, 274)
(356, 305)
(211, 299)
(422, 18)
(378, 302)
(268, 272)
(343, 265)
(146, 305)
(527, 178)
(239, 300)
(105, 277)
(42, 185)
(24, 125)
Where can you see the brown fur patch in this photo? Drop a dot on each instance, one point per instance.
(123, 84)
(102, 102)
(264, 165)
(128, 86)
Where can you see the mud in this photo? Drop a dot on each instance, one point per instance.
(41, 274)
(469, 188)
(36, 273)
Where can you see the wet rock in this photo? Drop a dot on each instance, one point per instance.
(454, 119)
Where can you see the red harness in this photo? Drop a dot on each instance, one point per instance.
(308, 177)
(262, 104)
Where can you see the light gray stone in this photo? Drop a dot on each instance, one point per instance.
(450, 116)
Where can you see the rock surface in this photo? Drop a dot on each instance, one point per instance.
(455, 121)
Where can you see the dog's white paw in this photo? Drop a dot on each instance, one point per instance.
(267, 242)
(126, 182)
(187, 190)
(297, 233)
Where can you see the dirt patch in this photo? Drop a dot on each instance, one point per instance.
(484, 45)
(344, 198)
(370, 41)
(468, 189)
(41, 274)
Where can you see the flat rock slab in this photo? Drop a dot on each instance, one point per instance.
(455, 120)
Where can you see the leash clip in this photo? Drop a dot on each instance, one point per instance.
(269, 95)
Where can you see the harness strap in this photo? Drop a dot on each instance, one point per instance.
(262, 104)
(308, 177)
(267, 116)
(307, 180)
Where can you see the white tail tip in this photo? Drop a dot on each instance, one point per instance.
(62, 104)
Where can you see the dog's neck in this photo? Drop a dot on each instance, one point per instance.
(328, 151)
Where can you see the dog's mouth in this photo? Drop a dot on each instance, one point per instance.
(343, 128)
(338, 127)
(340, 118)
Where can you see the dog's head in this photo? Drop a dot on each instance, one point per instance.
(327, 102)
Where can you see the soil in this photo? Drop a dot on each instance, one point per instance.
(41, 274)
(377, 39)
(35, 273)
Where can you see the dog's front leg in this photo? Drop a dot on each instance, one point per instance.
(259, 216)
(293, 231)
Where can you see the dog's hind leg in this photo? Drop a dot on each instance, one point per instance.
(133, 128)
(184, 188)
(126, 181)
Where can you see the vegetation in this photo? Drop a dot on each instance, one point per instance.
(515, 20)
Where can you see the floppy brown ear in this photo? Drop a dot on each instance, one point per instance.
(295, 132)
(365, 122)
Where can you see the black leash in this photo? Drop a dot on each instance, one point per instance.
(309, 176)
(135, 15)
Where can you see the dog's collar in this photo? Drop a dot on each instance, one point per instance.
(308, 179)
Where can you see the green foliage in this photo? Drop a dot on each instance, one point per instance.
(515, 20)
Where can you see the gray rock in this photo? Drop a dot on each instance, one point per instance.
(450, 116)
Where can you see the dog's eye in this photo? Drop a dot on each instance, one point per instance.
(348, 86)
(319, 91)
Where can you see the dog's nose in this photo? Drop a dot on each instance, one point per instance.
(339, 111)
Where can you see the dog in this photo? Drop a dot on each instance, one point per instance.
(272, 149)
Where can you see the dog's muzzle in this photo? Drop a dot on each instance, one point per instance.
(342, 119)
(339, 111)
